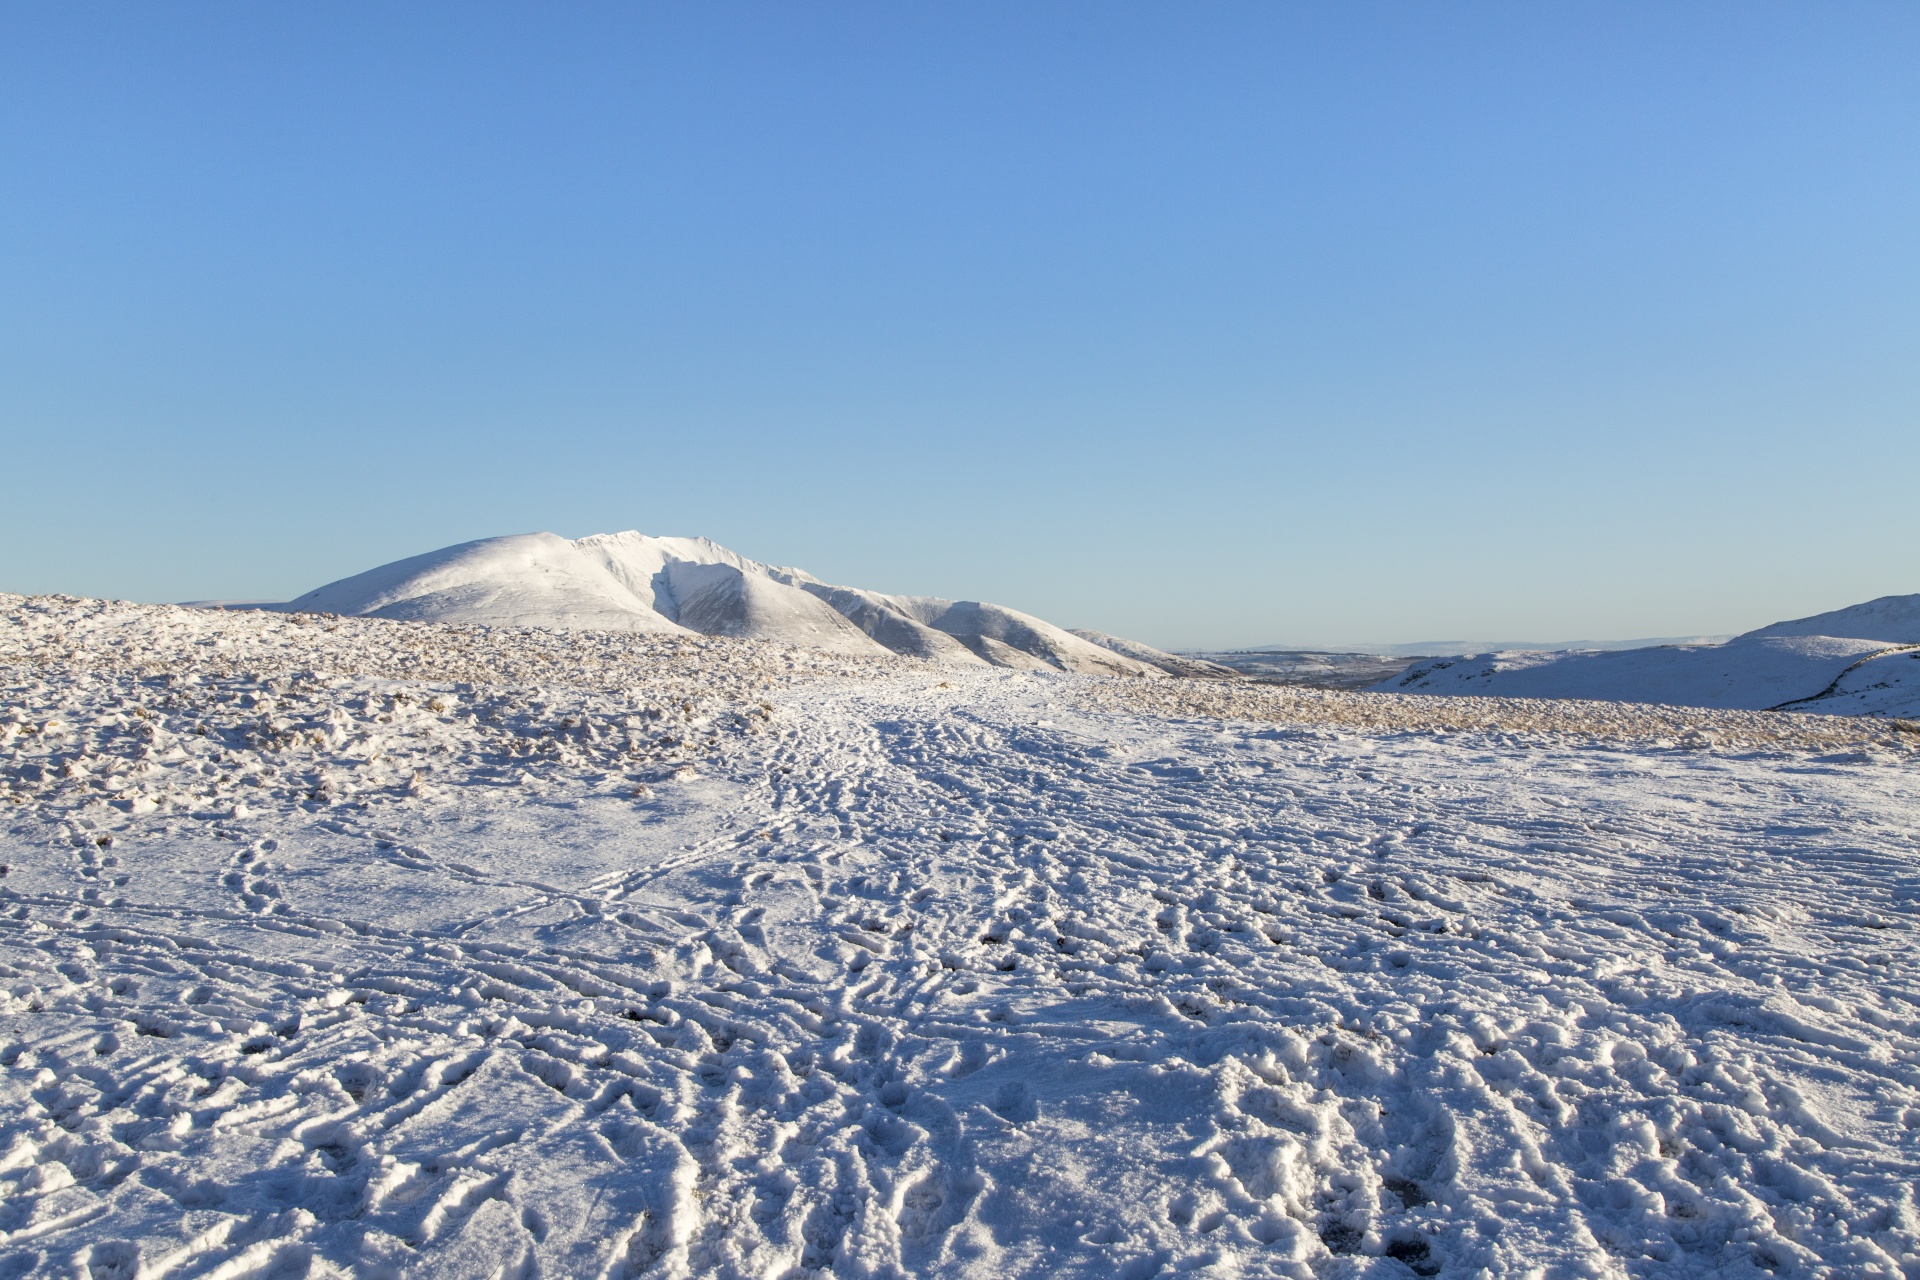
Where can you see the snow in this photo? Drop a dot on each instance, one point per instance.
(895, 628)
(1884, 684)
(1750, 673)
(1851, 661)
(1890, 619)
(527, 580)
(1175, 664)
(634, 582)
(720, 600)
(638, 558)
(343, 946)
(998, 634)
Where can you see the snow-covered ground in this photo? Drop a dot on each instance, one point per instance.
(359, 947)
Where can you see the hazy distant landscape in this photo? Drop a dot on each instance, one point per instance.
(1309, 668)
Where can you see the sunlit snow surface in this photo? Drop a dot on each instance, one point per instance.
(370, 948)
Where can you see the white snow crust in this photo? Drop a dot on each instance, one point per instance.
(338, 946)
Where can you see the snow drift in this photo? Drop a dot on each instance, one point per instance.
(1863, 660)
(632, 582)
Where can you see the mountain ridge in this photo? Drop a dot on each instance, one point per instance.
(630, 581)
(1859, 660)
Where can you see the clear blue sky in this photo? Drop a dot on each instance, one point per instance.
(1204, 323)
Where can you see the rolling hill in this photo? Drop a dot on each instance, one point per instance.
(1862, 660)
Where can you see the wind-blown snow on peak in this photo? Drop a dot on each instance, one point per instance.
(635, 582)
(1889, 619)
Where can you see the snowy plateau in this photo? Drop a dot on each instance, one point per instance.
(514, 933)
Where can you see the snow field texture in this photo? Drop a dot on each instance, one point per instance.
(353, 947)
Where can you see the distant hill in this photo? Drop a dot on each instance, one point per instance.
(1862, 660)
(633, 582)
(1460, 648)
(1890, 619)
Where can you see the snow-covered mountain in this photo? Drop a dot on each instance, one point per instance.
(1890, 619)
(633, 582)
(1863, 660)
(533, 580)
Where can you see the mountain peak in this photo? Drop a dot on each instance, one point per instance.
(631, 581)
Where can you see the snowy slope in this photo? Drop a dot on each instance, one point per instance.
(633, 582)
(882, 618)
(721, 600)
(660, 955)
(1173, 664)
(1882, 684)
(1746, 673)
(1847, 662)
(706, 588)
(994, 632)
(1890, 619)
(525, 580)
(640, 562)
